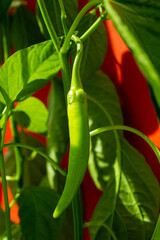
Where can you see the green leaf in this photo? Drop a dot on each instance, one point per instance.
(28, 70)
(95, 46)
(104, 212)
(138, 23)
(53, 8)
(36, 206)
(104, 159)
(58, 136)
(16, 233)
(137, 203)
(32, 114)
(119, 227)
(67, 231)
(138, 200)
(34, 166)
(156, 233)
(102, 150)
(58, 133)
(4, 6)
(22, 34)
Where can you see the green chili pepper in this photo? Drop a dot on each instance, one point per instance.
(79, 134)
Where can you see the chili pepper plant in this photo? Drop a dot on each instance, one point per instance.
(65, 48)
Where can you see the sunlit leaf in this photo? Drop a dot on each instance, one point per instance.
(28, 70)
(58, 137)
(32, 114)
(138, 23)
(137, 202)
(102, 112)
(156, 233)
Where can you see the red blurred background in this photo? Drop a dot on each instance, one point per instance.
(138, 111)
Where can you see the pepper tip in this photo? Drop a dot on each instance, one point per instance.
(55, 213)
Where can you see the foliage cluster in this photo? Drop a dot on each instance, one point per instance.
(129, 206)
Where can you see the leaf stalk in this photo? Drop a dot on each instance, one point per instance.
(63, 17)
(89, 5)
(49, 25)
(94, 26)
(88, 224)
(129, 129)
(3, 176)
(54, 164)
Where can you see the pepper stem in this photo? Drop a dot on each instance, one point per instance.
(76, 82)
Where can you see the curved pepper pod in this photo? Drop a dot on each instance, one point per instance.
(79, 147)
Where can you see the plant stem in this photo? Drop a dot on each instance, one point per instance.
(77, 217)
(4, 185)
(76, 22)
(93, 27)
(76, 79)
(55, 165)
(6, 112)
(130, 129)
(5, 37)
(18, 154)
(63, 17)
(14, 200)
(49, 25)
(64, 58)
(10, 178)
(19, 158)
(3, 175)
(66, 73)
(88, 224)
